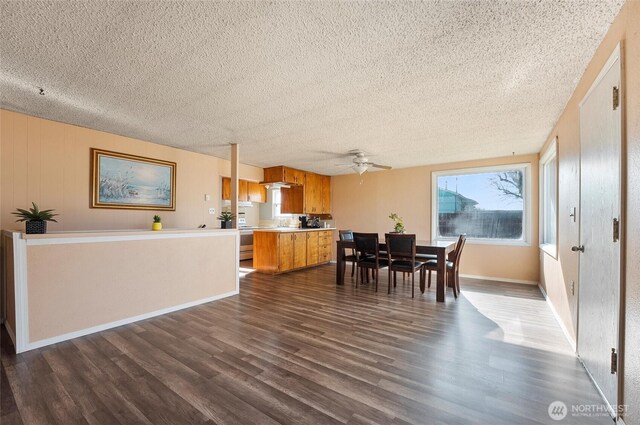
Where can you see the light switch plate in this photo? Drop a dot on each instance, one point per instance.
(207, 197)
(212, 211)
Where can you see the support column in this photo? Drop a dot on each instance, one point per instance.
(235, 169)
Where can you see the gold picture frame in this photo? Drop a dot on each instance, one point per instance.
(131, 182)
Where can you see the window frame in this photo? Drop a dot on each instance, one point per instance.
(525, 167)
(549, 155)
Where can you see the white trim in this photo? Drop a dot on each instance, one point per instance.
(602, 396)
(119, 238)
(500, 279)
(21, 293)
(105, 326)
(526, 202)
(550, 154)
(615, 56)
(567, 336)
(12, 334)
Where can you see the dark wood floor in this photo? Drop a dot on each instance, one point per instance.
(295, 349)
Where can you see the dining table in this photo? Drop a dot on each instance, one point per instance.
(439, 248)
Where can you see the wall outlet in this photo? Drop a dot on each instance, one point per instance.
(207, 197)
(212, 211)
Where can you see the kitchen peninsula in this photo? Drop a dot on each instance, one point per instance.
(64, 285)
(281, 250)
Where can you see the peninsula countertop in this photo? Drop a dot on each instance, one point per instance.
(293, 229)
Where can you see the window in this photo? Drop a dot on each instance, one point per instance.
(549, 200)
(488, 204)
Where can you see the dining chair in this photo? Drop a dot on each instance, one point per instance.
(401, 254)
(453, 266)
(347, 235)
(368, 254)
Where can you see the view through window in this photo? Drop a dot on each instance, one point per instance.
(487, 204)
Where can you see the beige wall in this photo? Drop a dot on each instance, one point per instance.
(363, 203)
(556, 275)
(48, 162)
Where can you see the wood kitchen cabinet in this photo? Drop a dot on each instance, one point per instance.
(285, 251)
(292, 200)
(299, 250)
(326, 194)
(312, 248)
(279, 252)
(310, 193)
(281, 174)
(247, 191)
(313, 193)
(256, 192)
(243, 190)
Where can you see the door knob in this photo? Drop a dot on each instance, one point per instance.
(579, 248)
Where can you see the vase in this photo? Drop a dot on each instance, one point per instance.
(35, 227)
(156, 226)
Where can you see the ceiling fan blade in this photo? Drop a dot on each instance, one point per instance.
(384, 167)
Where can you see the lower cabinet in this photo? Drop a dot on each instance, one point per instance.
(299, 250)
(275, 252)
(285, 252)
(312, 248)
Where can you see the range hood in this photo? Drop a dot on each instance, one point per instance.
(275, 185)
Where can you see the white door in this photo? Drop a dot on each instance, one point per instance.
(600, 207)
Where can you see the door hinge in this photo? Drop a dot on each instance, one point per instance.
(616, 98)
(614, 361)
(616, 230)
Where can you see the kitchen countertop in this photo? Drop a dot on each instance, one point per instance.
(292, 229)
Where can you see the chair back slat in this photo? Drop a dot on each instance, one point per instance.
(401, 246)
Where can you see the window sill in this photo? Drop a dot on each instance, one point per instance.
(550, 250)
(503, 242)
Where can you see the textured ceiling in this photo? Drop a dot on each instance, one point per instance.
(297, 82)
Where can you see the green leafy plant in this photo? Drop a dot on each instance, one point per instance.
(398, 223)
(226, 216)
(34, 214)
(156, 219)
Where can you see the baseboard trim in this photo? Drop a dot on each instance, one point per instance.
(566, 334)
(71, 335)
(501, 279)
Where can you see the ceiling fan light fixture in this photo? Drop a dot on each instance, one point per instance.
(360, 168)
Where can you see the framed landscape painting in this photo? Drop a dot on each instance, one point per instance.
(131, 182)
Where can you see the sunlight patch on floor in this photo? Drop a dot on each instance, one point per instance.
(514, 323)
(245, 271)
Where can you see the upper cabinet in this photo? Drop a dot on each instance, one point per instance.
(281, 174)
(313, 193)
(247, 191)
(310, 193)
(326, 194)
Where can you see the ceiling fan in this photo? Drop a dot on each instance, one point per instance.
(361, 163)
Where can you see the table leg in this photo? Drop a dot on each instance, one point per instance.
(339, 266)
(442, 276)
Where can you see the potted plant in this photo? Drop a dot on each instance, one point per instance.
(225, 219)
(157, 223)
(398, 226)
(36, 219)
